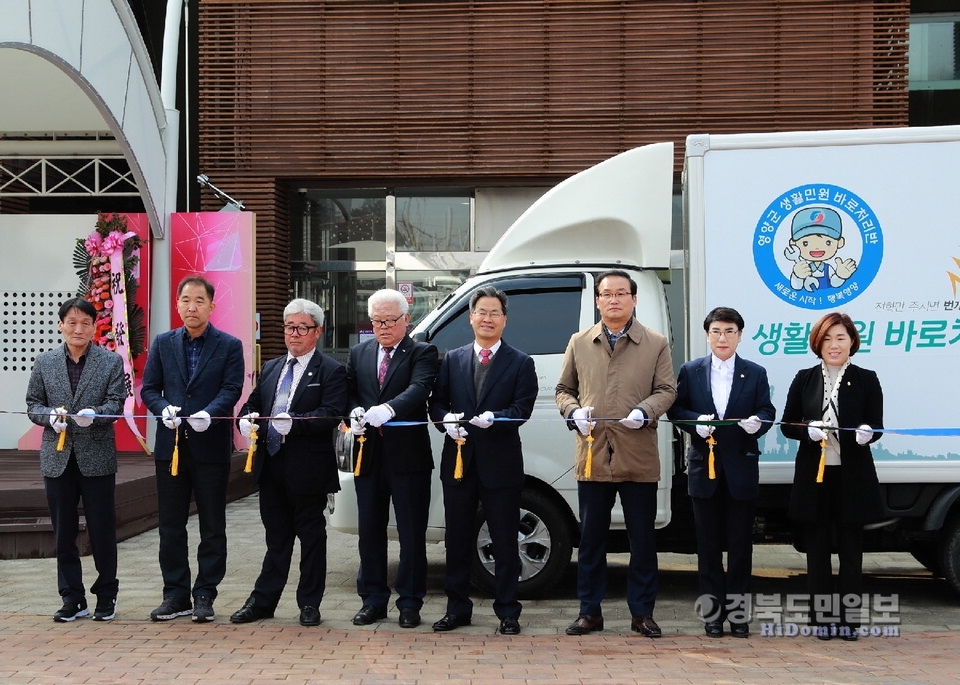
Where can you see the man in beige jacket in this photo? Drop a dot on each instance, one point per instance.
(616, 368)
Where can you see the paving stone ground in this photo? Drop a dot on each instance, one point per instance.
(132, 649)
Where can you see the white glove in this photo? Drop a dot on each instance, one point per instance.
(84, 417)
(750, 424)
(58, 419)
(331, 502)
(199, 421)
(864, 434)
(484, 420)
(356, 416)
(635, 419)
(378, 415)
(282, 423)
(170, 418)
(705, 431)
(247, 425)
(452, 427)
(815, 432)
(581, 416)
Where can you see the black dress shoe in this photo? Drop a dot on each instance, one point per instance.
(309, 616)
(509, 626)
(409, 617)
(646, 626)
(369, 614)
(451, 622)
(740, 629)
(714, 628)
(250, 612)
(584, 625)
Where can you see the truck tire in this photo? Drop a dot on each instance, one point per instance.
(950, 553)
(545, 544)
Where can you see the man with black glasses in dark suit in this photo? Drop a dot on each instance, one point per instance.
(389, 378)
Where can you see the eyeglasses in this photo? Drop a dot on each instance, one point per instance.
(729, 332)
(299, 330)
(386, 323)
(483, 314)
(615, 296)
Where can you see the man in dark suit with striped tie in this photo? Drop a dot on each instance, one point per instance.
(389, 380)
(305, 392)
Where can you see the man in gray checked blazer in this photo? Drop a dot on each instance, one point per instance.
(78, 389)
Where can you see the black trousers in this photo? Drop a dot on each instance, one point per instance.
(410, 493)
(64, 495)
(501, 507)
(207, 483)
(289, 513)
(639, 502)
(831, 601)
(720, 519)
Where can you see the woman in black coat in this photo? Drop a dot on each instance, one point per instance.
(834, 410)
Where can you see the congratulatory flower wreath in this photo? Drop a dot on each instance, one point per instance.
(107, 263)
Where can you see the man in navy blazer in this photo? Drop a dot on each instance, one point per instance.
(389, 378)
(296, 469)
(193, 372)
(723, 489)
(493, 387)
(86, 382)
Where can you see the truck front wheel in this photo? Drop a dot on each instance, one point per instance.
(544, 544)
(950, 553)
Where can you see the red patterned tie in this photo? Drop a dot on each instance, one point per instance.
(384, 365)
(484, 357)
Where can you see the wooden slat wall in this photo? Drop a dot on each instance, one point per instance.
(364, 92)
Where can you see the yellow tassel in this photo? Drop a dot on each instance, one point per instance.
(175, 464)
(248, 467)
(63, 436)
(823, 460)
(62, 439)
(458, 468)
(588, 467)
(711, 470)
(361, 440)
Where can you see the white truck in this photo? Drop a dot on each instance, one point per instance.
(884, 247)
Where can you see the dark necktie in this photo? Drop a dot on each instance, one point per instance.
(384, 365)
(274, 439)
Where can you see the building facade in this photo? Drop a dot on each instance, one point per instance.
(391, 143)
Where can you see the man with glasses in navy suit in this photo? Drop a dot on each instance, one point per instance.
(305, 392)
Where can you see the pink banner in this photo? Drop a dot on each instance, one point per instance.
(220, 247)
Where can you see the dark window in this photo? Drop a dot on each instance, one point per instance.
(542, 314)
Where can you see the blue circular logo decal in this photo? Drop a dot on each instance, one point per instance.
(818, 246)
